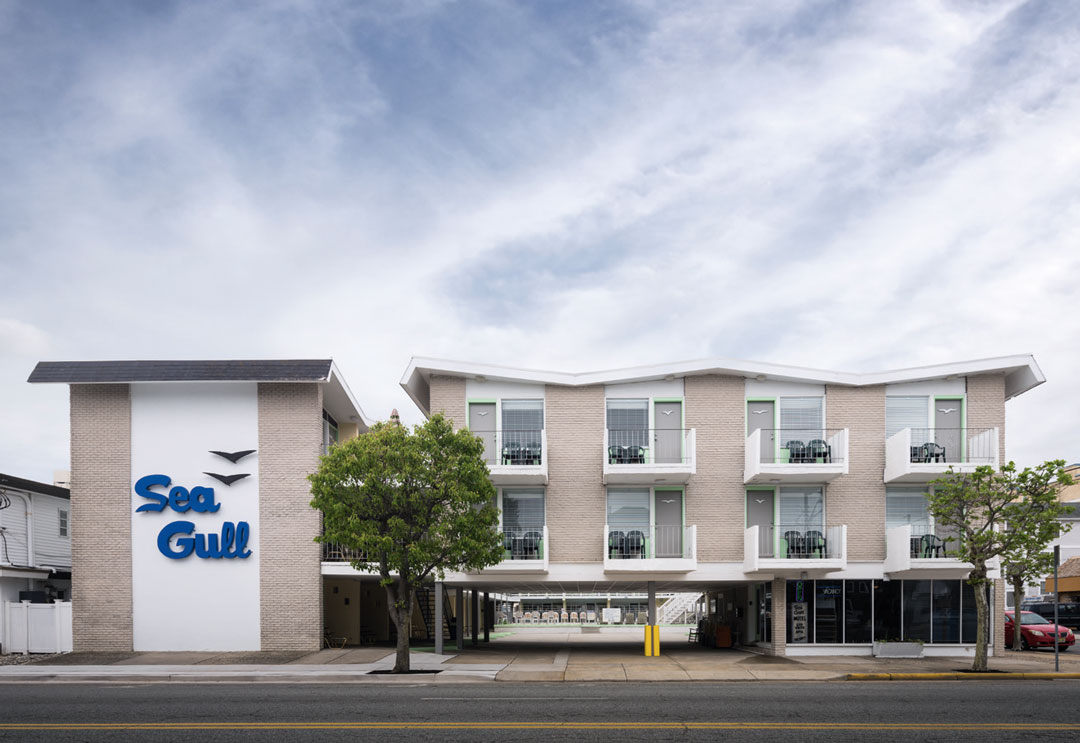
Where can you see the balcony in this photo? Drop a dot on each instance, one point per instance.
(525, 550)
(920, 455)
(795, 455)
(921, 551)
(655, 456)
(794, 548)
(516, 457)
(656, 549)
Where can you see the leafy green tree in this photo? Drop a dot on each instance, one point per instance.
(979, 505)
(412, 505)
(1029, 558)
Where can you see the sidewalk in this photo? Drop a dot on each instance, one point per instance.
(542, 654)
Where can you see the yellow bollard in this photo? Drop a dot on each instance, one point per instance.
(656, 640)
(648, 640)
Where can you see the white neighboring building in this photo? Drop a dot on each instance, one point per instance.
(35, 542)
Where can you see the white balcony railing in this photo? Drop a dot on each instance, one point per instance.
(650, 549)
(925, 454)
(516, 457)
(650, 456)
(795, 455)
(794, 547)
(920, 549)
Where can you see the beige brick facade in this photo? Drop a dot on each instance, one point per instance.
(858, 498)
(448, 398)
(101, 517)
(986, 406)
(778, 646)
(290, 583)
(576, 497)
(715, 496)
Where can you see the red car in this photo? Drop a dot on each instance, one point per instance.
(1037, 632)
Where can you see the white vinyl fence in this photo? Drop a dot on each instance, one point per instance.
(37, 628)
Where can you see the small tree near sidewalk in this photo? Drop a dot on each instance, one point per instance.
(979, 506)
(410, 505)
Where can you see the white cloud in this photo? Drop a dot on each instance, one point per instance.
(852, 187)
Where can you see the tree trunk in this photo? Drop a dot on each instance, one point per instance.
(983, 624)
(1018, 588)
(400, 601)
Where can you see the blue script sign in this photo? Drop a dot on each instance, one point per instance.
(179, 539)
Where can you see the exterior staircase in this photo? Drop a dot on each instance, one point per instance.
(676, 608)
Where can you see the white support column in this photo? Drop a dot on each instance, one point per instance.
(438, 618)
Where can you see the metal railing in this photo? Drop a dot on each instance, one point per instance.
(643, 543)
(510, 448)
(340, 553)
(802, 445)
(928, 542)
(648, 445)
(957, 445)
(800, 542)
(523, 542)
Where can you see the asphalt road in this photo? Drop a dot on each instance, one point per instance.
(876, 711)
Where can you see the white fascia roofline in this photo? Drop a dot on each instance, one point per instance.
(336, 378)
(1025, 373)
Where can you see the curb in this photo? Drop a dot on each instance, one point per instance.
(958, 676)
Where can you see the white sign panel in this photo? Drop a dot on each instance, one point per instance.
(612, 615)
(195, 516)
(798, 622)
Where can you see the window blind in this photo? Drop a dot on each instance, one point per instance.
(628, 508)
(801, 419)
(802, 507)
(905, 412)
(523, 508)
(905, 506)
(523, 415)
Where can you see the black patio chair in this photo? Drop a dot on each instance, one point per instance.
(795, 544)
(531, 543)
(796, 451)
(932, 452)
(635, 543)
(932, 546)
(635, 455)
(818, 449)
(616, 454)
(815, 543)
(616, 544)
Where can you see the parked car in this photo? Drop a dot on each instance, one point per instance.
(1068, 612)
(1037, 632)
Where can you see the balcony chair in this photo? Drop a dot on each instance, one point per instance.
(635, 544)
(616, 454)
(796, 451)
(932, 546)
(796, 546)
(819, 450)
(635, 455)
(815, 543)
(616, 544)
(511, 453)
(931, 452)
(532, 540)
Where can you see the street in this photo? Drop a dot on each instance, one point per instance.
(885, 711)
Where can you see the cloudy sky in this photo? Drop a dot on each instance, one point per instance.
(563, 185)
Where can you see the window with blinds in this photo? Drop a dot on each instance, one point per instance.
(628, 508)
(906, 412)
(523, 415)
(801, 419)
(802, 507)
(523, 508)
(628, 422)
(906, 506)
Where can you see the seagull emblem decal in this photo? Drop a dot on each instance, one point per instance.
(667, 412)
(235, 456)
(758, 412)
(227, 479)
(947, 410)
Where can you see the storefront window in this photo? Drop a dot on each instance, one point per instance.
(969, 617)
(946, 621)
(888, 603)
(858, 611)
(828, 610)
(917, 610)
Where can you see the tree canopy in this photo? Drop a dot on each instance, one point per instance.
(996, 514)
(410, 505)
